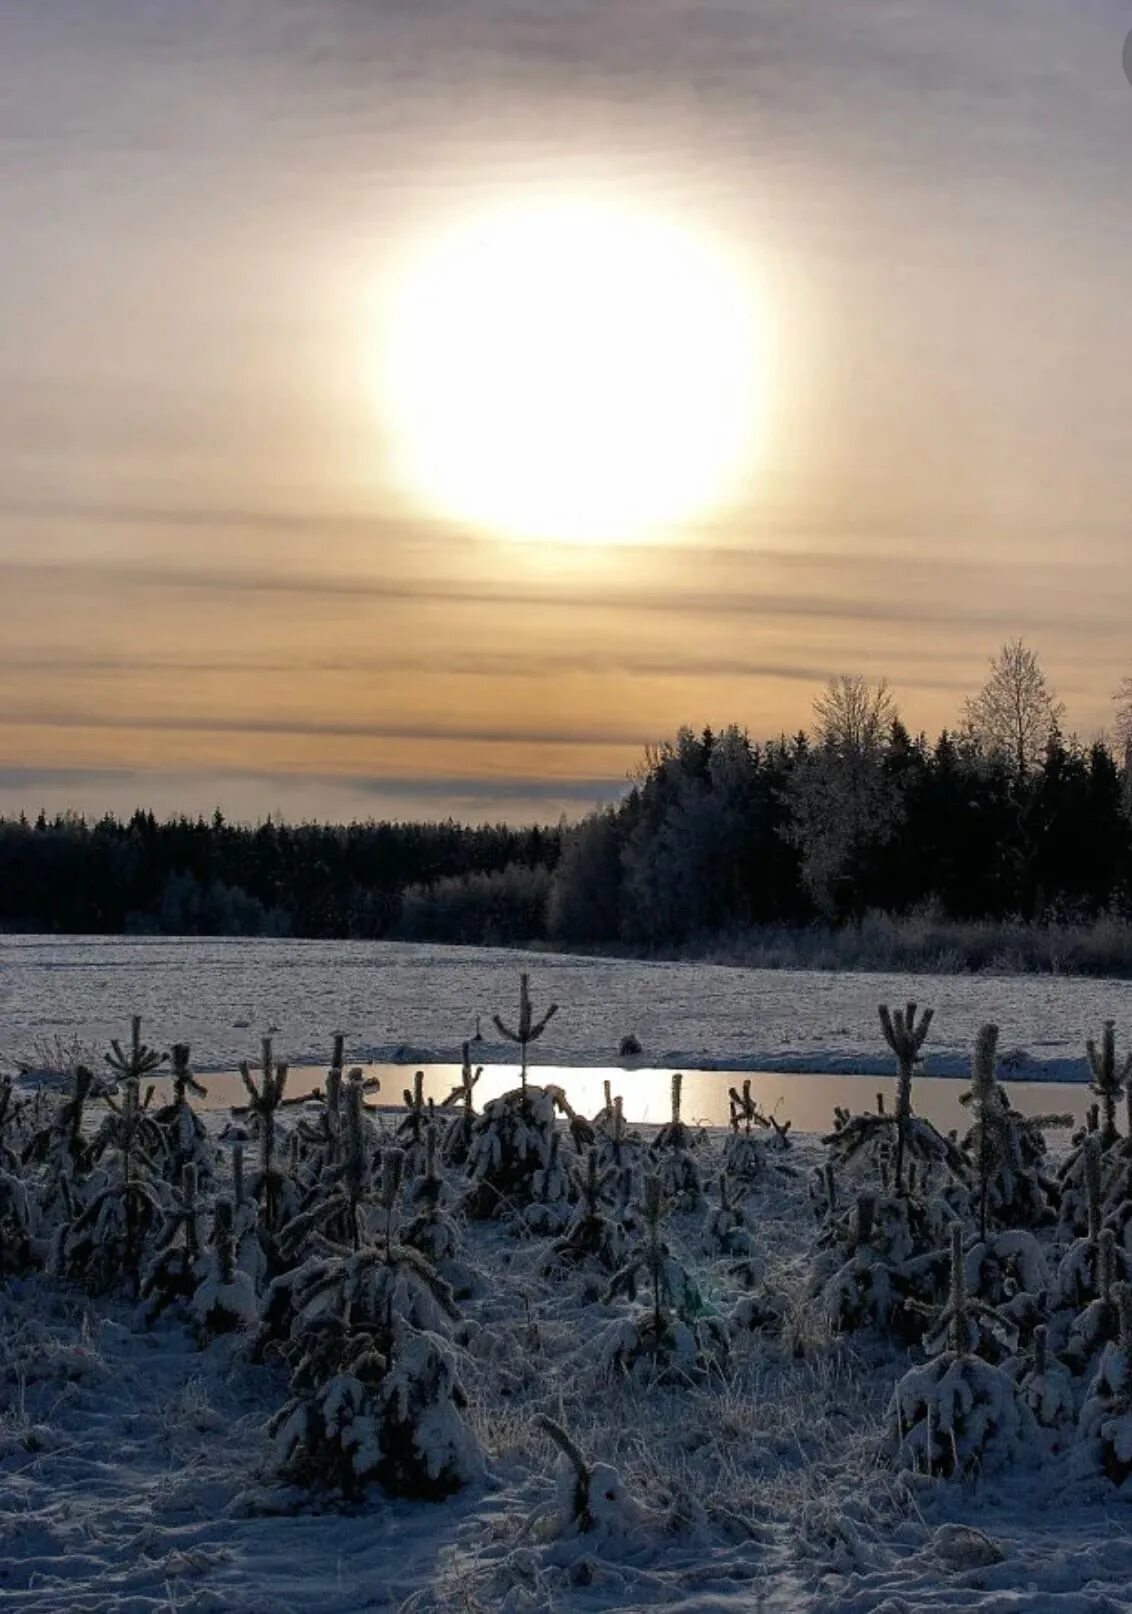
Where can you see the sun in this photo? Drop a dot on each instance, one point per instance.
(570, 369)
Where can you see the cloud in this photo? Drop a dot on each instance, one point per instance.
(483, 734)
(893, 605)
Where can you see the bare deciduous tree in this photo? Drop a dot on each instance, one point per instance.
(1015, 712)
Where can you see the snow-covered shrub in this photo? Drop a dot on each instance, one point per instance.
(183, 1133)
(672, 1159)
(1104, 1430)
(334, 1202)
(743, 1153)
(1108, 1082)
(958, 1413)
(872, 1138)
(119, 1209)
(674, 1337)
(270, 1186)
(172, 1273)
(511, 1147)
(225, 1295)
(592, 1233)
(18, 1223)
(1047, 1388)
(62, 1147)
(549, 1209)
(618, 1147)
(1006, 1149)
(1091, 1264)
(880, 1264)
(250, 1255)
(1080, 1179)
(591, 1497)
(726, 1229)
(432, 1229)
(416, 1121)
(375, 1394)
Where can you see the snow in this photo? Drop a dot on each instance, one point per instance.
(137, 1474)
(416, 1003)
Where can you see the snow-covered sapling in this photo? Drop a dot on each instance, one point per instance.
(412, 1125)
(672, 1157)
(62, 1146)
(269, 1185)
(726, 1229)
(958, 1412)
(225, 1295)
(673, 1336)
(1046, 1387)
(105, 1238)
(186, 1141)
(592, 1233)
(905, 1038)
(458, 1135)
(618, 1148)
(172, 1273)
(1104, 1431)
(140, 1061)
(528, 1029)
(1109, 1080)
(880, 1136)
(1006, 1148)
(432, 1229)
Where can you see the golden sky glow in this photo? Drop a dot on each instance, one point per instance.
(337, 342)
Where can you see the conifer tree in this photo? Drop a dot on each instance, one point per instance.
(1109, 1081)
(527, 1030)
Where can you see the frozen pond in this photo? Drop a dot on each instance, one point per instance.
(402, 1003)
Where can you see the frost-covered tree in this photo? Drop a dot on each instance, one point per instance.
(1109, 1080)
(186, 1141)
(375, 1392)
(845, 804)
(458, 1133)
(592, 1233)
(118, 1210)
(270, 1185)
(1015, 712)
(1104, 1431)
(1006, 1149)
(527, 1029)
(674, 1337)
(906, 1039)
(172, 1272)
(958, 1412)
(672, 1158)
(225, 1295)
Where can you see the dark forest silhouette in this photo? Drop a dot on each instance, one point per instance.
(716, 833)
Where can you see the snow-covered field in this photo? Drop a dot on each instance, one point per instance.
(137, 1476)
(751, 1464)
(417, 1003)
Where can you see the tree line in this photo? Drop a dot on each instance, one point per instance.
(1003, 817)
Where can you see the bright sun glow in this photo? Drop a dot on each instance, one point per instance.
(569, 369)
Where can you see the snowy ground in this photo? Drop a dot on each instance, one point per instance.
(134, 1475)
(135, 1472)
(417, 1003)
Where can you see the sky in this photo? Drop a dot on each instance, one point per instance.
(217, 586)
